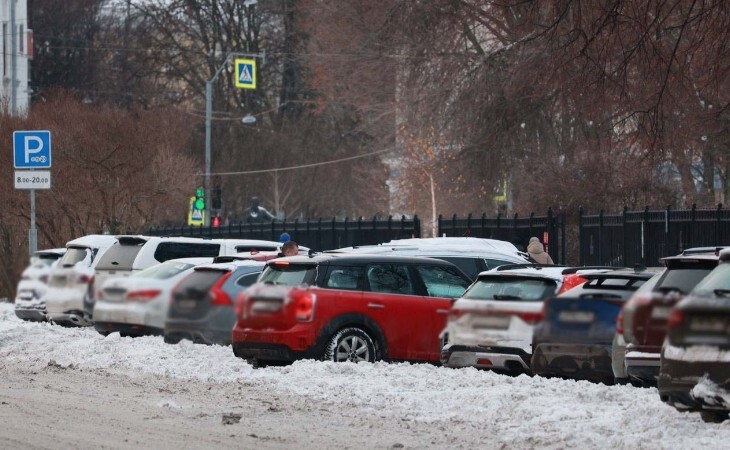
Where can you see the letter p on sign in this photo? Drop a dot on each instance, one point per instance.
(32, 149)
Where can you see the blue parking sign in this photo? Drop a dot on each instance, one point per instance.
(32, 149)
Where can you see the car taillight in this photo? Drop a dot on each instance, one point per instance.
(304, 306)
(675, 319)
(241, 306)
(620, 322)
(83, 279)
(218, 296)
(531, 317)
(143, 295)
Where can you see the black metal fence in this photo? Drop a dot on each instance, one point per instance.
(320, 234)
(550, 229)
(642, 237)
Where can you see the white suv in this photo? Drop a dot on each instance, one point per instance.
(492, 324)
(72, 280)
(135, 253)
(471, 255)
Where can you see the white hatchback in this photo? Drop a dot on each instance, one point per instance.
(33, 284)
(492, 324)
(137, 305)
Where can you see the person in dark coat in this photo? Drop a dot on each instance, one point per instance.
(257, 213)
(537, 252)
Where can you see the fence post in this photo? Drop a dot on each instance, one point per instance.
(600, 237)
(294, 232)
(499, 222)
(482, 227)
(645, 237)
(468, 225)
(440, 224)
(319, 234)
(347, 243)
(581, 247)
(402, 226)
(624, 246)
(334, 235)
(718, 229)
(359, 231)
(693, 218)
(514, 227)
(550, 228)
(453, 225)
(563, 245)
(529, 224)
(417, 226)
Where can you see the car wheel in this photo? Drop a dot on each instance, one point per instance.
(350, 344)
(169, 339)
(712, 416)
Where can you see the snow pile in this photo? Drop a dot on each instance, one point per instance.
(519, 412)
(710, 393)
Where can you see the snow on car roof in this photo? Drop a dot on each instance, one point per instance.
(92, 240)
(231, 266)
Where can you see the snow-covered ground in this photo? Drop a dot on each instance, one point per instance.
(462, 407)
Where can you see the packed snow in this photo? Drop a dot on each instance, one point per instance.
(522, 411)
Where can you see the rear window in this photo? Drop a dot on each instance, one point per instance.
(717, 281)
(119, 257)
(260, 248)
(289, 274)
(174, 250)
(164, 270)
(200, 281)
(511, 289)
(682, 280)
(470, 266)
(45, 259)
(75, 255)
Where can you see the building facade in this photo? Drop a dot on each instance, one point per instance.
(17, 53)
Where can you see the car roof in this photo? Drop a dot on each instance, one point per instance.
(359, 258)
(525, 271)
(92, 240)
(191, 260)
(50, 251)
(230, 266)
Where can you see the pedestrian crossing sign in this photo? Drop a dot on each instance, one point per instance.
(246, 73)
(196, 217)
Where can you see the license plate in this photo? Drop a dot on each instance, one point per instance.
(58, 281)
(660, 312)
(576, 316)
(499, 322)
(263, 306)
(187, 304)
(711, 324)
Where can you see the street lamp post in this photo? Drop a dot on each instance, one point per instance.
(209, 117)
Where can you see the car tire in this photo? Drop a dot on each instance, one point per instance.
(351, 344)
(169, 339)
(712, 416)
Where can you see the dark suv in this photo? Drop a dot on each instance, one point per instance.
(644, 317)
(347, 308)
(695, 360)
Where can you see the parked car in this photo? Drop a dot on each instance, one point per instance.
(574, 340)
(134, 253)
(471, 255)
(72, 280)
(33, 284)
(694, 371)
(137, 305)
(645, 316)
(347, 307)
(491, 325)
(618, 346)
(202, 304)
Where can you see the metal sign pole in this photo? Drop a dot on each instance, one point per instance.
(32, 233)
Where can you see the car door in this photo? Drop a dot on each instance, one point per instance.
(442, 285)
(392, 300)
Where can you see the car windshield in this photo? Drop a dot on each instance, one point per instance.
(289, 274)
(511, 288)
(163, 271)
(716, 282)
(45, 259)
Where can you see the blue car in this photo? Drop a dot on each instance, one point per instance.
(575, 339)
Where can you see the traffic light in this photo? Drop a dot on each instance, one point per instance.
(199, 203)
(216, 222)
(217, 202)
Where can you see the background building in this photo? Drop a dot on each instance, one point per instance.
(17, 53)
